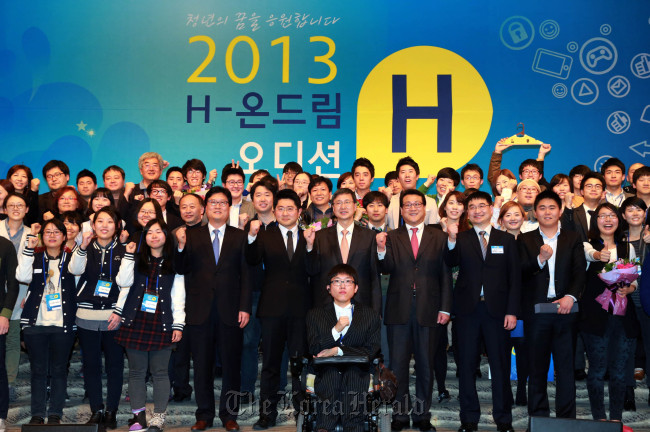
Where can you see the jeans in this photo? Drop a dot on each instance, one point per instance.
(4, 384)
(608, 352)
(158, 363)
(48, 346)
(92, 344)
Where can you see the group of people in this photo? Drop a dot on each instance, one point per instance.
(182, 271)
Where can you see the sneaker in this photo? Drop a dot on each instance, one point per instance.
(3, 425)
(138, 422)
(157, 422)
(444, 396)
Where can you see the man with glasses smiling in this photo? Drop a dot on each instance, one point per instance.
(57, 175)
(419, 297)
(241, 211)
(284, 299)
(486, 302)
(579, 219)
(344, 243)
(217, 306)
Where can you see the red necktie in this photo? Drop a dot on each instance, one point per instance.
(414, 242)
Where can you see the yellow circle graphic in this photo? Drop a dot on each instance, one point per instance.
(426, 102)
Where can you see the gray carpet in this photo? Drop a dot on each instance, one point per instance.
(443, 415)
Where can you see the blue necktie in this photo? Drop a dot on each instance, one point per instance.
(215, 246)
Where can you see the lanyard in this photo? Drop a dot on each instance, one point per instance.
(157, 279)
(48, 266)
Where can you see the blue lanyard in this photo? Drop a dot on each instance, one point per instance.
(48, 266)
(157, 280)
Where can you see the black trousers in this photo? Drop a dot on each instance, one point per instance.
(471, 328)
(405, 340)
(276, 333)
(556, 334)
(342, 392)
(202, 340)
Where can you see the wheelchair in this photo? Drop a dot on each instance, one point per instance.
(377, 417)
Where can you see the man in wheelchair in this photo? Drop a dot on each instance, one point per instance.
(342, 328)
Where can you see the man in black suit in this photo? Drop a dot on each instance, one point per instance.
(343, 328)
(344, 243)
(553, 271)
(486, 302)
(217, 304)
(284, 300)
(419, 298)
(592, 188)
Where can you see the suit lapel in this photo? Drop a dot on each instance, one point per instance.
(333, 239)
(354, 242)
(425, 241)
(403, 237)
(581, 216)
(476, 243)
(225, 244)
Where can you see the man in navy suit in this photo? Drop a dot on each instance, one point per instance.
(419, 298)
(486, 302)
(218, 306)
(344, 327)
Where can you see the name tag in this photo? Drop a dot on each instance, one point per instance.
(149, 303)
(103, 288)
(38, 270)
(497, 249)
(53, 301)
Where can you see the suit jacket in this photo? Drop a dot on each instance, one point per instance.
(173, 221)
(499, 274)
(570, 267)
(393, 216)
(327, 253)
(228, 282)
(285, 290)
(576, 220)
(362, 338)
(428, 271)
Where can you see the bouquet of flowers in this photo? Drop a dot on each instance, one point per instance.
(616, 275)
(317, 224)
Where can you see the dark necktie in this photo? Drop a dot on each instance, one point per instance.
(290, 244)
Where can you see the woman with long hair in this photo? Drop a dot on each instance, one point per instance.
(152, 312)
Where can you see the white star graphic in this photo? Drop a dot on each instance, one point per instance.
(81, 125)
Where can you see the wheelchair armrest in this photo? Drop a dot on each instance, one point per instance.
(341, 360)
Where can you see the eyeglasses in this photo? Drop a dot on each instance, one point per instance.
(194, 172)
(15, 206)
(530, 171)
(215, 203)
(477, 207)
(472, 177)
(52, 233)
(151, 165)
(235, 183)
(607, 217)
(54, 175)
(289, 209)
(342, 282)
(147, 212)
(343, 203)
(301, 182)
(413, 205)
(158, 192)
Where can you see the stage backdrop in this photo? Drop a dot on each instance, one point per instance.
(322, 82)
